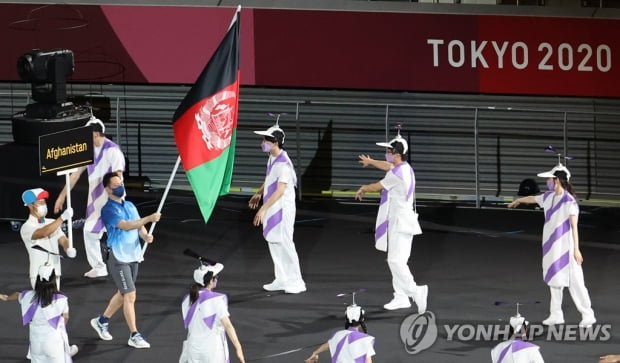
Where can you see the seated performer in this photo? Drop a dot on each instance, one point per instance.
(206, 317)
(516, 349)
(349, 345)
(46, 310)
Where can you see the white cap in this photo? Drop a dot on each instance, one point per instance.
(200, 272)
(517, 322)
(271, 132)
(552, 173)
(97, 124)
(397, 139)
(45, 271)
(354, 313)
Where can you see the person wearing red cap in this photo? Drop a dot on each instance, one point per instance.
(108, 157)
(44, 232)
(562, 257)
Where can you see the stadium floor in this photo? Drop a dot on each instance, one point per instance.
(470, 259)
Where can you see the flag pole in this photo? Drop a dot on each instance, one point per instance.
(161, 203)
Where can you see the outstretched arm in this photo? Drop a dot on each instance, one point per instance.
(11, 297)
(530, 199)
(315, 355)
(366, 160)
(611, 358)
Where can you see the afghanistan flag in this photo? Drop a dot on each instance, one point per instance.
(205, 124)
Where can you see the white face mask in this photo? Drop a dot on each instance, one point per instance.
(42, 210)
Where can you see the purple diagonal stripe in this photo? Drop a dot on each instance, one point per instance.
(397, 170)
(106, 145)
(503, 354)
(381, 230)
(338, 349)
(190, 314)
(355, 335)
(27, 318)
(555, 208)
(279, 159)
(54, 321)
(520, 344)
(556, 235)
(98, 226)
(558, 265)
(384, 197)
(271, 188)
(209, 320)
(273, 221)
(411, 185)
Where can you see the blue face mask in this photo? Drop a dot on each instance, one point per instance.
(550, 185)
(119, 191)
(389, 157)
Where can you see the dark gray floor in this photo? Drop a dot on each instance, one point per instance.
(470, 259)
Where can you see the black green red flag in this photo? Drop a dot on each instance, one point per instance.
(205, 123)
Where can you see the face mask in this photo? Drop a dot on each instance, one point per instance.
(550, 185)
(119, 191)
(389, 157)
(42, 210)
(266, 147)
(214, 283)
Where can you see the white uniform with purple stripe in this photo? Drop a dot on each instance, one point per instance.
(560, 269)
(206, 337)
(351, 346)
(397, 197)
(279, 220)
(516, 351)
(48, 334)
(107, 158)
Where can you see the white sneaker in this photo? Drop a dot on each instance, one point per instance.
(137, 341)
(398, 302)
(101, 329)
(420, 297)
(296, 289)
(274, 286)
(587, 321)
(73, 350)
(99, 271)
(554, 319)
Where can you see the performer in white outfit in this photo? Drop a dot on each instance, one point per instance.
(206, 318)
(516, 349)
(562, 257)
(43, 232)
(277, 214)
(108, 157)
(395, 220)
(349, 345)
(47, 312)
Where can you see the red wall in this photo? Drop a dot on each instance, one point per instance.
(326, 49)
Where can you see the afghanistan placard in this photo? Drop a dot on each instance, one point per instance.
(66, 150)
